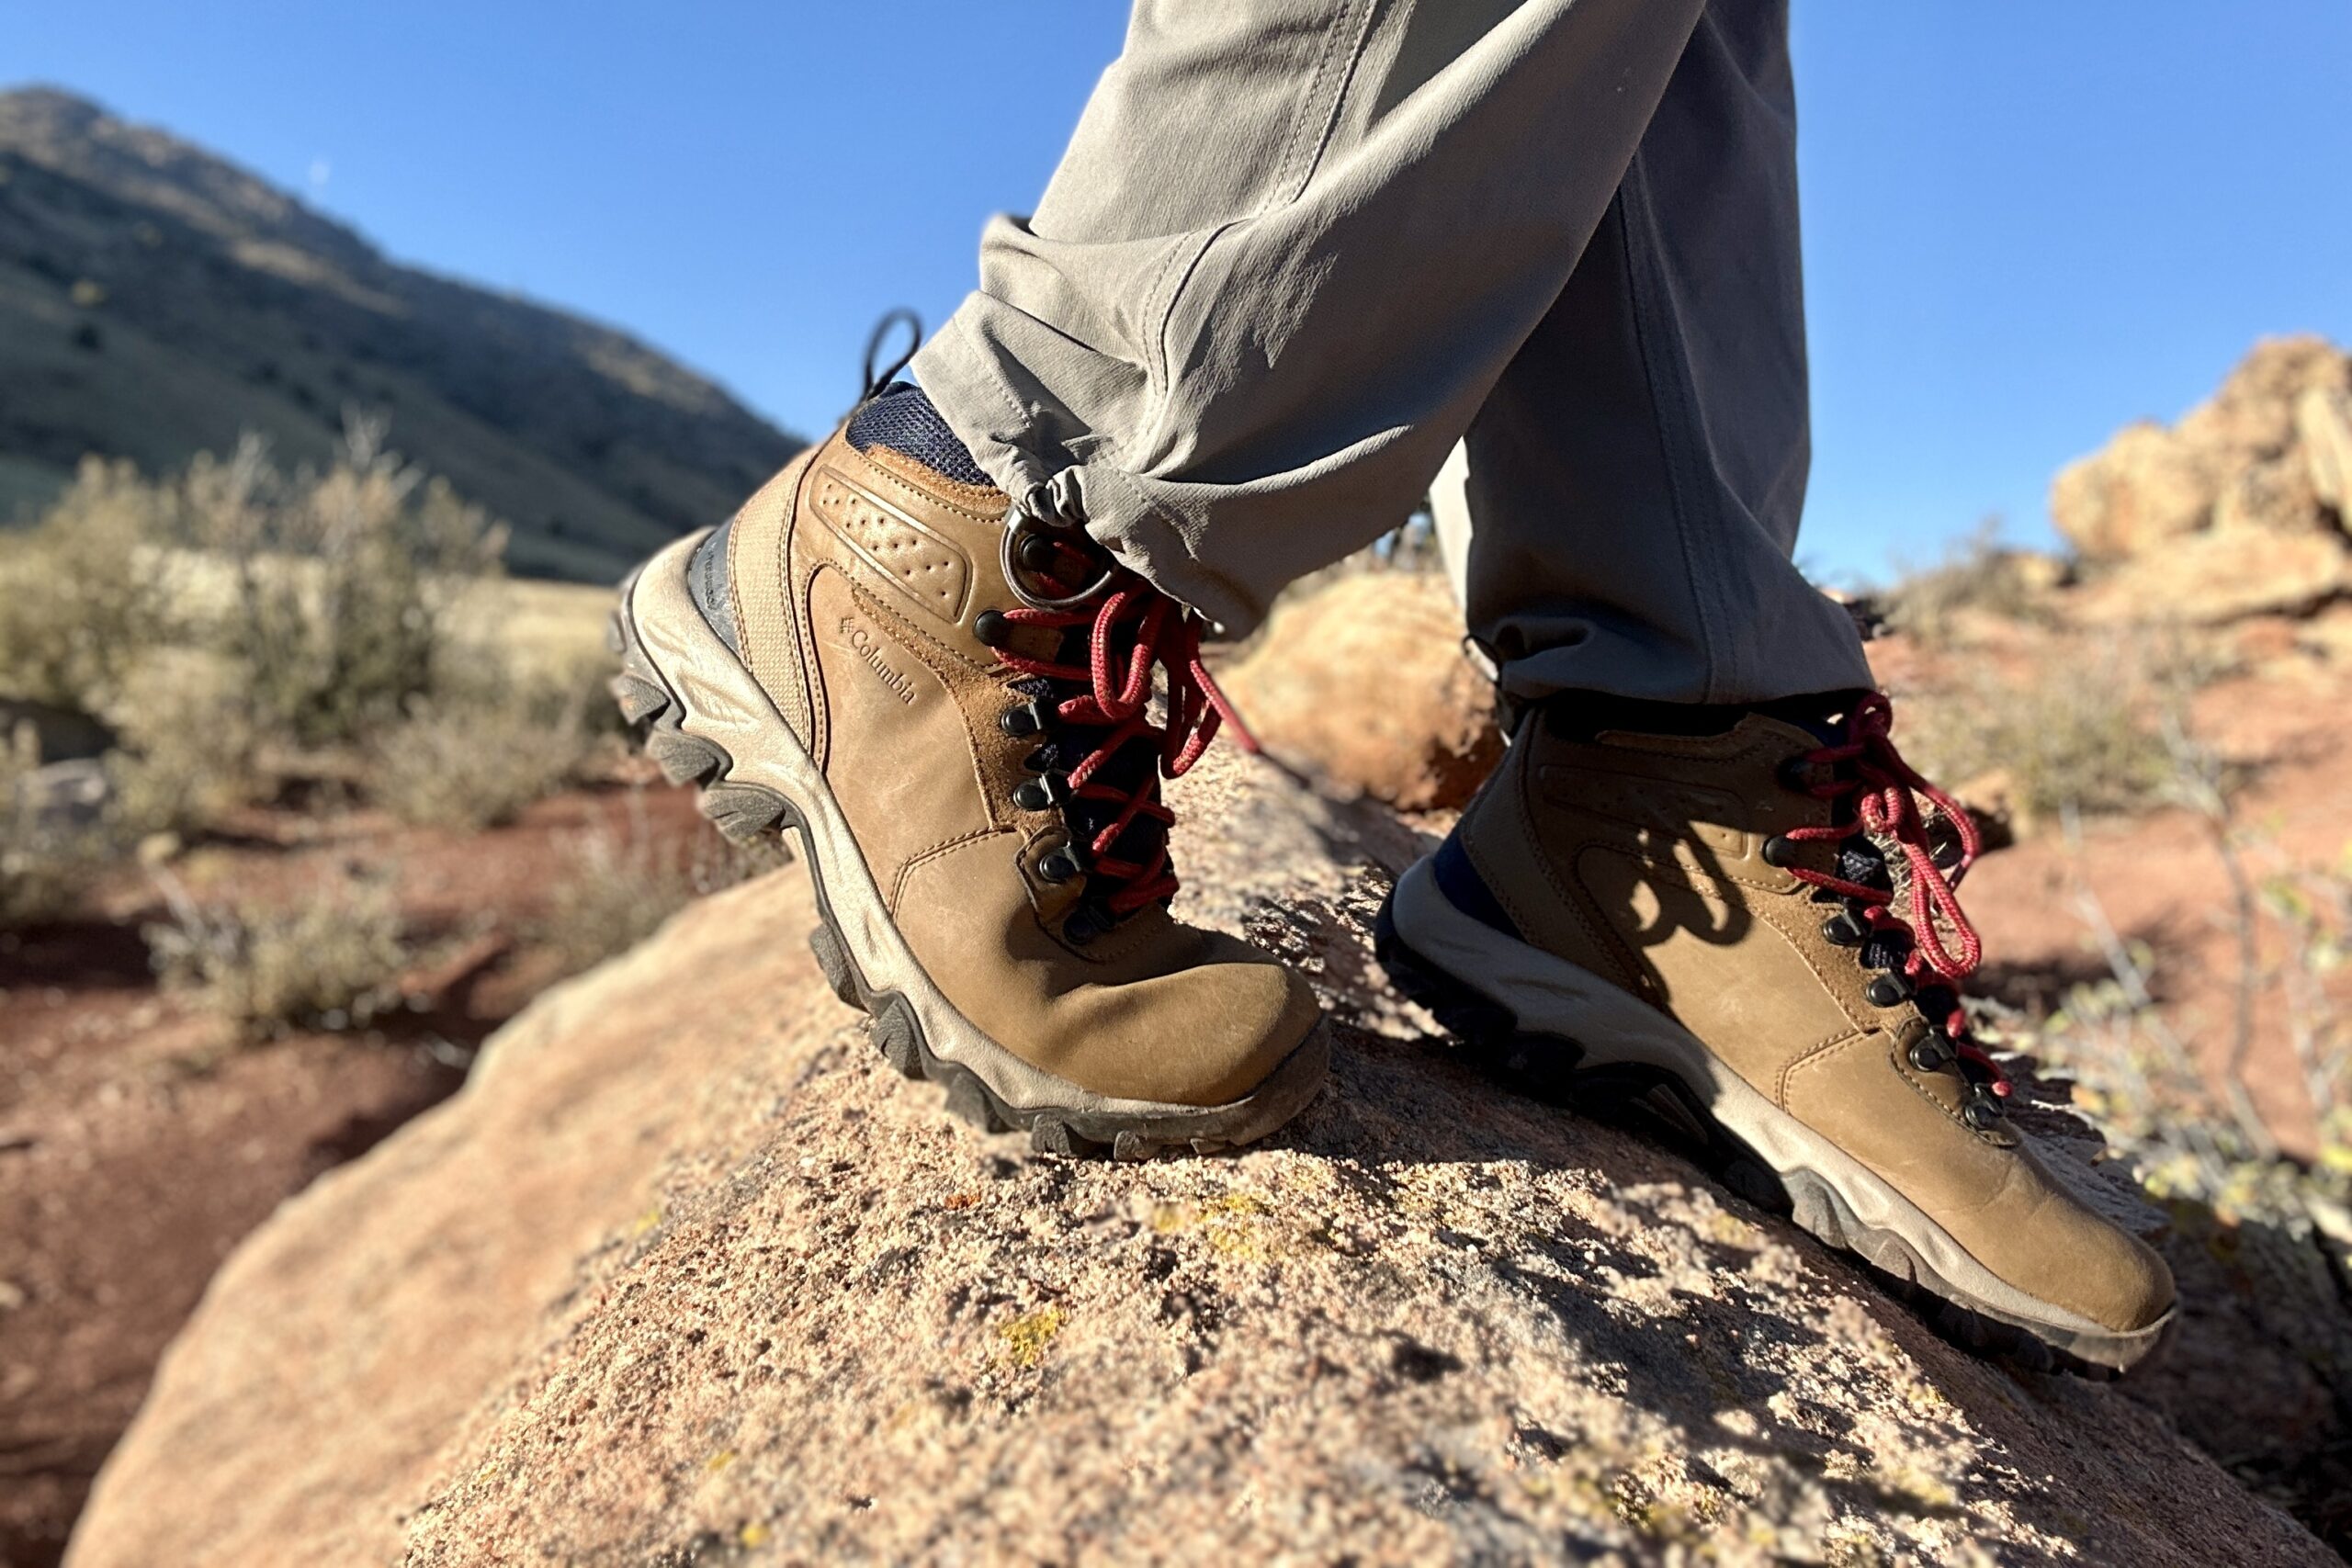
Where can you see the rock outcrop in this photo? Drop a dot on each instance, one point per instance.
(2238, 510)
(1365, 681)
(685, 1276)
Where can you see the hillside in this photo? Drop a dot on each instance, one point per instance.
(156, 302)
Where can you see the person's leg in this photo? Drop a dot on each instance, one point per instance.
(1701, 879)
(1633, 480)
(1292, 248)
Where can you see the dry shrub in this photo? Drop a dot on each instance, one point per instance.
(473, 765)
(622, 886)
(333, 961)
(344, 585)
(1978, 576)
(81, 603)
(2086, 732)
(189, 752)
(237, 614)
(2191, 1131)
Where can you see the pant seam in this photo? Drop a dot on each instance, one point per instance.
(1665, 389)
(1307, 156)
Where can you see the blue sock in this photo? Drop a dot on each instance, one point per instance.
(901, 417)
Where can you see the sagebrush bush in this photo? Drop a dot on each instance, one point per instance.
(188, 750)
(474, 764)
(224, 621)
(342, 585)
(621, 887)
(82, 599)
(2086, 733)
(332, 960)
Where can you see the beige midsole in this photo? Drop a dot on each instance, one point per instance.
(720, 701)
(1547, 994)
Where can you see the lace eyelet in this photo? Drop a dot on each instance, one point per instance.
(1886, 991)
(1778, 850)
(1798, 776)
(1842, 930)
(1022, 722)
(1928, 1055)
(1041, 794)
(991, 628)
(1984, 1111)
(1018, 526)
(1059, 865)
(1034, 551)
(1086, 922)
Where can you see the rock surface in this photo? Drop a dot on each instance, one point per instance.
(685, 1276)
(1364, 680)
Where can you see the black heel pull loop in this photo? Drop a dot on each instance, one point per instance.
(874, 383)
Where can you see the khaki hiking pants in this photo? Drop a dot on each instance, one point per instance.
(1298, 249)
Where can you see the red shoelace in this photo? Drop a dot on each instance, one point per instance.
(1887, 791)
(1132, 628)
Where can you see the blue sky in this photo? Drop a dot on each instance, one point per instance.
(2026, 223)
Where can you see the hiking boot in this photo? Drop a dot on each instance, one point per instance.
(1700, 921)
(951, 709)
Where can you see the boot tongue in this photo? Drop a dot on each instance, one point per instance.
(1131, 768)
(899, 418)
(1860, 860)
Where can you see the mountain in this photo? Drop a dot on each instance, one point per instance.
(156, 302)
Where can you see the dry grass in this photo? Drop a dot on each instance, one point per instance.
(621, 887)
(2085, 734)
(331, 962)
(469, 765)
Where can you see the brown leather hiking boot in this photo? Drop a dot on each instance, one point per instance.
(952, 710)
(1703, 927)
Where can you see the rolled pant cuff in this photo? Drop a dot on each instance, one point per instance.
(959, 373)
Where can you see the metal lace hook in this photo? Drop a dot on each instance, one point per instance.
(1015, 520)
(890, 318)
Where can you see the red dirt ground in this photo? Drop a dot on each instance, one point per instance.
(137, 1148)
(2285, 731)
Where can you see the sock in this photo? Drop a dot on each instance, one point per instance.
(900, 418)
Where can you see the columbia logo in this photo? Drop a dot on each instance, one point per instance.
(866, 646)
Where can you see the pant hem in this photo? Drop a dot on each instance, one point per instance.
(960, 377)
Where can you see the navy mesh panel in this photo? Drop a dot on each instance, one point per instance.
(902, 420)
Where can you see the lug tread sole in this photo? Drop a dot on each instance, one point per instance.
(1651, 1101)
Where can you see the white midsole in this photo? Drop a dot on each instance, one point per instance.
(720, 701)
(1547, 994)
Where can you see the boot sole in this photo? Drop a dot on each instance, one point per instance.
(706, 721)
(1536, 1021)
